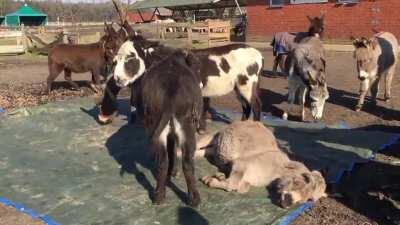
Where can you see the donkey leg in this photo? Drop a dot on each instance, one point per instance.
(282, 63)
(291, 100)
(375, 90)
(302, 100)
(68, 78)
(161, 171)
(276, 63)
(203, 119)
(233, 183)
(95, 84)
(364, 87)
(243, 90)
(256, 104)
(172, 167)
(188, 150)
(388, 83)
(54, 71)
(215, 182)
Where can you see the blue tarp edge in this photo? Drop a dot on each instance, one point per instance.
(296, 213)
(284, 221)
(29, 212)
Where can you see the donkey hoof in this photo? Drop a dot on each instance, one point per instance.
(358, 108)
(132, 118)
(174, 173)
(387, 99)
(206, 180)
(194, 199)
(285, 116)
(201, 131)
(104, 119)
(159, 198)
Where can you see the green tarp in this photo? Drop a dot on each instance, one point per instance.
(56, 159)
(27, 16)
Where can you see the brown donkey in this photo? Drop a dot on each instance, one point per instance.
(80, 58)
(284, 42)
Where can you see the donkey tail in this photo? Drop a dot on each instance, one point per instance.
(272, 42)
(164, 126)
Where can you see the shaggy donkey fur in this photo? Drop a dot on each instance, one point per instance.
(250, 155)
(80, 58)
(376, 58)
(170, 98)
(222, 69)
(284, 42)
(307, 75)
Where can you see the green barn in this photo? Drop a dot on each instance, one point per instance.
(27, 16)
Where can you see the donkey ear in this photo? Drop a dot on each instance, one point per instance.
(108, 29)
(322, 16)
(365, 41)
(373, 42)
(307, 177)
(310, 18)
(105, 27)
(323, 62)
(356, 42)
(129, 30)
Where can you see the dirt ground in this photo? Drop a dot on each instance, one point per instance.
(10, 216)
(356, 199)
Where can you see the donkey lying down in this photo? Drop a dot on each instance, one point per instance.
(256, 160)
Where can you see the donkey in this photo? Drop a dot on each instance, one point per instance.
(223, 69)
(249, 153)
(376, 57)
(80, 58)
(171, 100)
(307, 72)
(283, 42)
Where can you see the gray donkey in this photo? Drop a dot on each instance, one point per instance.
(307, 73)
(249, 153)
(376, 57)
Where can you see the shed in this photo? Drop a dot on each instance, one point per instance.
(27, 16)
(178, 5)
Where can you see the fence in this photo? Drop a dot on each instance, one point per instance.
(211, 32)
(14, 41)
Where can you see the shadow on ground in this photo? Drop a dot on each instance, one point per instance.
(373, 189)
(349, 100)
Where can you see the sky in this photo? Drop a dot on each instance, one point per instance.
(93, 1)
(86, 1)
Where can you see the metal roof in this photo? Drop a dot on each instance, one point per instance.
(183, 4)
(25, 10)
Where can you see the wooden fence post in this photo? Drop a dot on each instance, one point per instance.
(190, 39)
